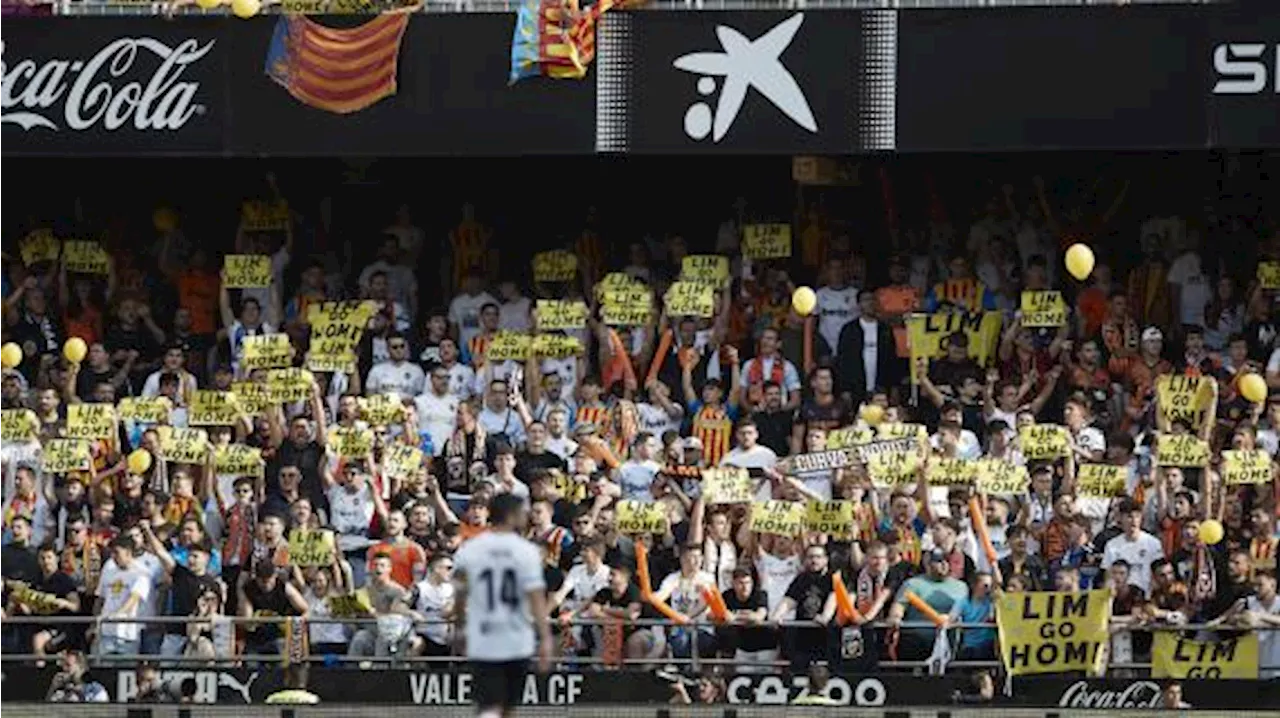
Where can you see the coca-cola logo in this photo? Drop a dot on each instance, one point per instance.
(115, 88)
(1141, 694)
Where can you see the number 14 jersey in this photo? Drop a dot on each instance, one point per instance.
(500, 570)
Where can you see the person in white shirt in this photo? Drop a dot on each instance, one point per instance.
(352, 505)
(174, 362)
(1264, 612)
(502, 593)
(659, 414)
(515, 312)
(250, 323)
(636, 476)
(464, 310)
(402, 285)
(497, 416)
(462, 378)
(437, 409)
(1189, 284)
(123, 589)
(837, 304)
(434, 599)
(749, 454)
(396, 375)
(769, 365)
(682, 591)
(558, 440)
(551, 395)
(1134, 546)
(583, 581)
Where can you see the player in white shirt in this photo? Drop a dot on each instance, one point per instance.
(502, 599)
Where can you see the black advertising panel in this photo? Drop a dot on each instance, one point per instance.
(736, 82)
(113, 86)
(1041, 78)
(1243, 86)
(452, 98)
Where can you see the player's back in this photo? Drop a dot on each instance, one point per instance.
(500, 569)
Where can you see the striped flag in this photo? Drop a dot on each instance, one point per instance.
(338, 70)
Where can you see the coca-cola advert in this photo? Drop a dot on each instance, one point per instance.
(112, 86)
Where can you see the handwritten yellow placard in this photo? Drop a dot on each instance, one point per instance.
(239, 460)
(350, 442)
(834, 518)
(1043, 309)
(289, 385)
(508, 345)
(40, 246)
(779, 518)
(1246, 467)
(61, 455)
(690, 299)
(560, 314)
(1181, 450)
(213, 408)
(184, 446)
(727, 485)
(849, 437)
(19, 425)
(1042, 442)
(253, 397)
(143, 410)
(766, 241)
(627, 307)
(264, 216)
(267, 351)
(402, 460)
(246, 270)
(86, 257)
(336, 329)
(641, 517)
(91, 421)
(382, 409)
(710, 269)
(1100, 481)
(1185, 399)
(951, 472)
(891, 469)
(1269, 275)
(1002, 478)
(555, 266)
(311, 547)
(556, 346)
(616, 280)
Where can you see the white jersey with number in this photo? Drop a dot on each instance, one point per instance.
(500, 569)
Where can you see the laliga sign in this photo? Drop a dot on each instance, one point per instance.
(105, 89)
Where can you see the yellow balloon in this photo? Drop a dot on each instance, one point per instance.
(1079, 261)
(804, 300)
(1211, 531)
(246, 9)
(10, 355)
(139, 461)
(75, 349)
(1253, 388)
(873, 414)
(208, 5)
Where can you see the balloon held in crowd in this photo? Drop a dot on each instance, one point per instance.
(803, 300)
(1211, 531)
(75, 350)
(1079, 261)
(1253, 388)
(10, 355)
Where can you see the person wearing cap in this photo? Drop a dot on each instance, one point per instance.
(939, 590)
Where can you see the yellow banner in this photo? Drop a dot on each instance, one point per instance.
(1235, 658)
(951, 472)
(352, 605)
(1181, 450)
(1185, 399)
(834, 518)
(779, 518)
(560, 314)
(19, 425)
(641, 517)
(727, 485)
(264, 216)
(709, 269)
(38, 602)
(350, 442)
(1269, 275)
(891, 469)
(61, 455)
(556, 346)
(401, 460)
(555, 266)
(40, 246)
(1053, 632)
(91, 421)
(266, 351)
(238, 459)
(253, 397)
(311, 547)
(240, 271)
(1043, 309)
(627, 307)
(1100, 481)
(927, 335)
(617, 280)
(766, 241)
(1246, 467)
(382, 409)
(336, 328)
(85, 257)
(849, 437)
(508, 345)
(998, 477)
(897, 430)
(1042, 442)
(690, 299)
(184, 446)
(288, 385)
(213, 408)
(144, 410)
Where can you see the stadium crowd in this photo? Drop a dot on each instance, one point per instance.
(683, 428)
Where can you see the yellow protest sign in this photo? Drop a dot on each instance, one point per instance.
(350, 442)
(238, 459)
(311, 547)
(641, 517)
(91, 421)
(1228, 658)
(38, 602)
(573, 491)
(766, 241)
(891, 469)
(351, 605)
(727, 485)
(508, 345)
(1053, 632)
(1185, 399)
(184, 446)
(61, 455)
(690, 299)
(252, 397)
(213, 408)
(927, 335)
(84, 256)
(1100, 481)
(834, 518)
(382, 409)
(627, 307)
(336, 329)
(779, 518)
(616, 280)
(19, 425)
(401, 460)
(560, 314)
(556, 346)
(1044, 442)
(1043, 309)
(849, 437)
(143, 410)
(1246, 467)
(1181, 450)
(555, 266)
(264, 216)
(241, 271)
(998, 477)
(288, 385)
(709, 269)
(898, 430)
(951, 472)
(1269, 275)
(40, 246)
(266, 351)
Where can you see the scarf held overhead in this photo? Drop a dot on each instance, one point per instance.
(337, 70)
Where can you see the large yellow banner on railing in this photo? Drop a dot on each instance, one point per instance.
(1054, 632)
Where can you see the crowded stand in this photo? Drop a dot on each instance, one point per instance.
(777, 442)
